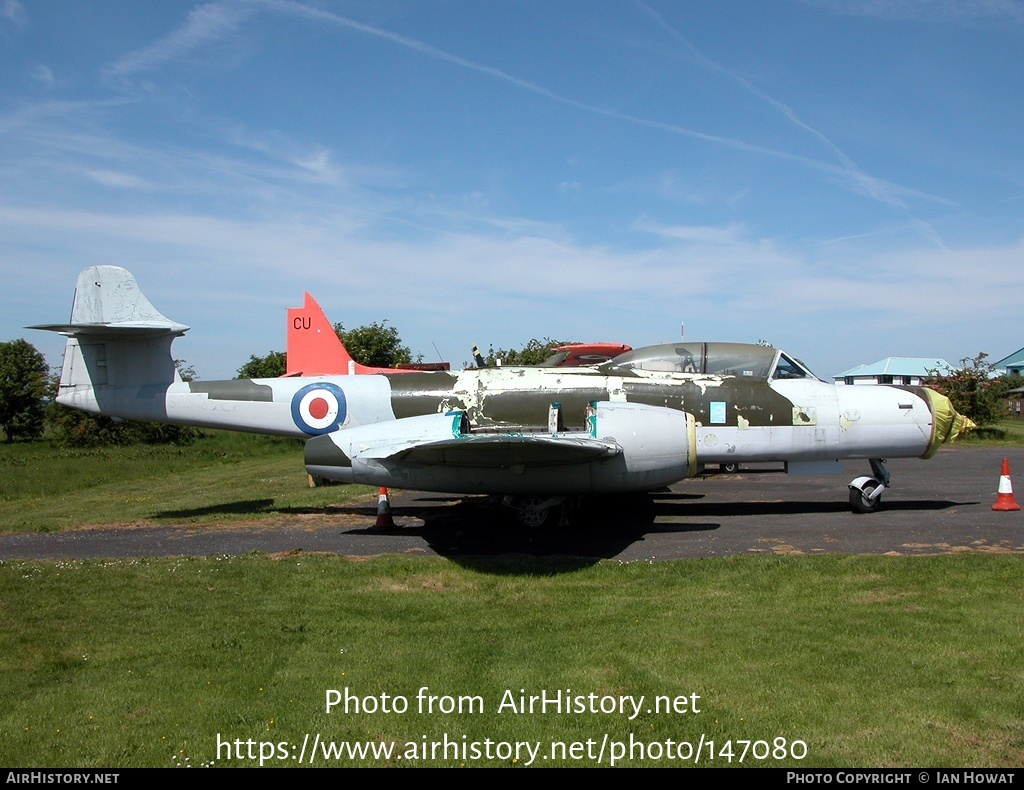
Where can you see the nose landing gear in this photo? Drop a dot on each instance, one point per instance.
(866, 492)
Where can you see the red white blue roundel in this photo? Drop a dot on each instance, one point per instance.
(319, 408)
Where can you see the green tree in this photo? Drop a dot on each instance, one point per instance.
(377, 345)
(533, 353)
(185, 370)
(77, 428)
(1011, 381)
(23, 389)
(274, 364)
(1004, 384)
(971, 387)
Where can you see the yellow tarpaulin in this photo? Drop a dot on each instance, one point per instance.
(949, 424)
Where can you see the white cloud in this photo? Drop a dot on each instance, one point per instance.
(44, 75)
(729, 234)
(205, 24)
(110, 178)
(15, 12)
(318, 162)
(455, 287)
(983, 11)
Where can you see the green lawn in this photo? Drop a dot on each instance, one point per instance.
(865, 661)
(223, 476)
(1008, 432)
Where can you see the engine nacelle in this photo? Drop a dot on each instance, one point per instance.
(628, 447)
(659, 445)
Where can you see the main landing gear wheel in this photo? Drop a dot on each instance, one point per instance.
(730, 468)
(861, 500)
(533, 512)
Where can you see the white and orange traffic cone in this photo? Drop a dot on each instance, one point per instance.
(384, 520)
(1005, 500)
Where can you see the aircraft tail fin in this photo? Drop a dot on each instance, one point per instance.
(108, 301)
(314, 348)
(116, 339)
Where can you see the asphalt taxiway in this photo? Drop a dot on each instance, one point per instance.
(943, 505)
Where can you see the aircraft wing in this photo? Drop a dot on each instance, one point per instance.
(503, 450)
(437, 439)
(630, 447)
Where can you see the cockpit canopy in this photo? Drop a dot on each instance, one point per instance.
(714, 359)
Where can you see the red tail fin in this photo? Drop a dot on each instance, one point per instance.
(314, 348)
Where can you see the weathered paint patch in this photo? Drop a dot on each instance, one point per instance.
(424, 393)
(242, 389)
(520, 398)
(805, 415)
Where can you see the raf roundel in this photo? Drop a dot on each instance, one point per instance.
(319, 408)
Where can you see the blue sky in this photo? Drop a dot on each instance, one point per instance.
(842, 179)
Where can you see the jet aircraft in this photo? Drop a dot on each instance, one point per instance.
(538, 436)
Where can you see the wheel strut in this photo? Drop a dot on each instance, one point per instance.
(866, 492)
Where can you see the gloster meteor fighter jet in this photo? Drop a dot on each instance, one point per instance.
(538, 436)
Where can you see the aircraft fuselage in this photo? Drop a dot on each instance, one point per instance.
(737, 418)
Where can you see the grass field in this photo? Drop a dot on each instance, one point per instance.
(865, 661)
(1004, 433)
(224, 476)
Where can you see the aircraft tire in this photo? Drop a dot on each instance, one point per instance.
(530, 513)
(861, 501)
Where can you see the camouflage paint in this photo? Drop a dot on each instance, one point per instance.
(236, 389)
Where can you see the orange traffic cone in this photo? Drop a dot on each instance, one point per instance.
(384, 520)
(1005, 500)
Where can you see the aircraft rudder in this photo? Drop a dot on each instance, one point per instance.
(313, 347)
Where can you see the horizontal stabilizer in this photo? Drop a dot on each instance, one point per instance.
(108, 301)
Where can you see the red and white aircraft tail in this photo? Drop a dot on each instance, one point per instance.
(314, 348)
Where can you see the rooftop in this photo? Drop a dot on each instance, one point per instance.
(898, 366)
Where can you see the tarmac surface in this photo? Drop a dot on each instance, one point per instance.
(939, 506)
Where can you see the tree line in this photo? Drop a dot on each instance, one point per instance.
(377, 345)
(974, 390)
